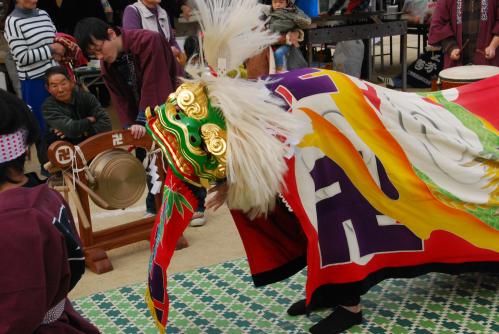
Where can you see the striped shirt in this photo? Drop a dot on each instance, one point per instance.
(29, 34)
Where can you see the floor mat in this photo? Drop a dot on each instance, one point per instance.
(222, 299)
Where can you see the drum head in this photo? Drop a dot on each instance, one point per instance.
(120, 178)
(468, 73)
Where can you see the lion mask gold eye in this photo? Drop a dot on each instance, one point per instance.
(192, 99)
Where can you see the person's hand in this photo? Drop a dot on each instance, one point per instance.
(58, 49)
(57, 57)
(293, 38)
(175, 51)
(218, 196)
(59, 133)
(182, 58)
(427, 16)
(92, 119)
(415, 19)
(138, 131)
(186, 12)
(490, 52)
(455, 54)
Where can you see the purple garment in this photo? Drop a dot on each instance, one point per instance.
(444, 24)
(36, 273)
(132, 20)
(156, 70)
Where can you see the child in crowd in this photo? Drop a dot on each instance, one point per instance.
(286, 18)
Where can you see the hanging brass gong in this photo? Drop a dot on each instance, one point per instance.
(120, 178)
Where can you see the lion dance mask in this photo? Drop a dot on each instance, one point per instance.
(192, 134)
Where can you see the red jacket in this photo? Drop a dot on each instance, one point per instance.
(156, 69)
(444, 25)
(35, 263)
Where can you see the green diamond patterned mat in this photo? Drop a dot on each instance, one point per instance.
(222, 299)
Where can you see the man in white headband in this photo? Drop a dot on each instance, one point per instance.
(40, 255)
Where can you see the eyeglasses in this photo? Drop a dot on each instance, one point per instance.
(95, 49)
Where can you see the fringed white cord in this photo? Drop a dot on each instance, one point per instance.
(150, 165)
(75, 170)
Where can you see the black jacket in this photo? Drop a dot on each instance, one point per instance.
(71, 118)
(70, 12)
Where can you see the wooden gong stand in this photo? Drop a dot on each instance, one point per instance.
(95, 244)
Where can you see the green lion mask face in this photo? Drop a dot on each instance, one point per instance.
(191, 133)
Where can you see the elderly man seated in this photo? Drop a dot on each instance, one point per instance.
(71, 113)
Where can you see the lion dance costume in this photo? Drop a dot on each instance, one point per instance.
(357, 182)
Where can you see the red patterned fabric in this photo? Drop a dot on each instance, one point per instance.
(74, 56)
(176, 212)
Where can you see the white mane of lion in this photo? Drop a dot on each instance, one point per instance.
(255, 118)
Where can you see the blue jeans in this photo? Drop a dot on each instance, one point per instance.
(34, 94)
(280, 55)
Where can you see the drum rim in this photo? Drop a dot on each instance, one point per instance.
(463, 80)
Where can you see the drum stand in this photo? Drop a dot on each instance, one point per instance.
(68, 158)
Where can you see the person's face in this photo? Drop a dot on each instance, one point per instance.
(151, 3)
(57, 57)
(26, 4)
(106, 50)
(60, 87)
(279, 4)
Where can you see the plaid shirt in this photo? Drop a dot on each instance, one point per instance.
(471, 23)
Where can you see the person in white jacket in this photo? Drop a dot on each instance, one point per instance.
(149, 15)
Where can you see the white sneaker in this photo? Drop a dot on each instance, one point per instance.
(148, 215)
(198, 219)
(387, 81)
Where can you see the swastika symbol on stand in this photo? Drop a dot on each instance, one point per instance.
(64, 155)
(117, 139)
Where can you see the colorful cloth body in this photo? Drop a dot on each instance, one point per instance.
(389, 184)
(41, 261)
(386, 184)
